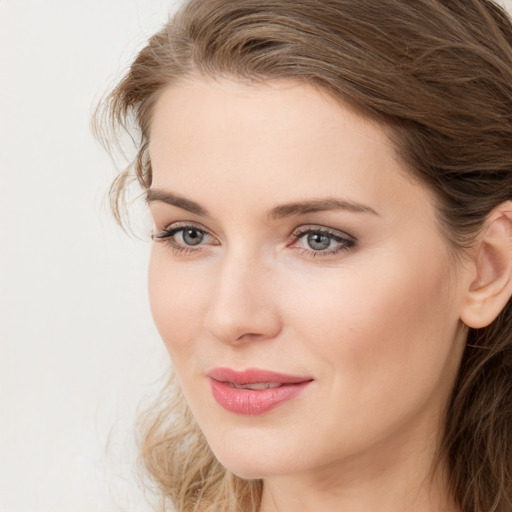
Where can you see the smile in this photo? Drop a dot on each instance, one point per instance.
(253, 391)
(256, 386)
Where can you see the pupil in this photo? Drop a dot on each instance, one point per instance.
(318, 242)
(192, 236)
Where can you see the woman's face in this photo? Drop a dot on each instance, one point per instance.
(299, 280)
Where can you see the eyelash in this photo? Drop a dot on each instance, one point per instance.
(167, 236)
(346, 242)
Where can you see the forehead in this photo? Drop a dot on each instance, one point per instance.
(259, 110)
(251, 142)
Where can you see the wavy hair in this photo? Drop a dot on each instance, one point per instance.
(437, 74)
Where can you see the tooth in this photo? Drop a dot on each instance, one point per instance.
(257, 386)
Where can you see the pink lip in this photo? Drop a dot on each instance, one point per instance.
(254, 401)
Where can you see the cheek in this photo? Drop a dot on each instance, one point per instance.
(177, 303)
(387, 327)
(381, 346)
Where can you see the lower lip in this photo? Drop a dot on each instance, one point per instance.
(251, 401)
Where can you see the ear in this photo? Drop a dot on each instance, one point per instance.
(491, 265)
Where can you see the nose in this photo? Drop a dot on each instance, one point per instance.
(242, 306)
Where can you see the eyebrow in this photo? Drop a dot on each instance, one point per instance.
(278, 212)
(175, 200)
(318, 205)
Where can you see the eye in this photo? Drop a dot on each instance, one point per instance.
(184, 237)
(316, 241)
(191, 236)
(319, 241)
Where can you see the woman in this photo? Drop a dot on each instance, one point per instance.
(330, 186)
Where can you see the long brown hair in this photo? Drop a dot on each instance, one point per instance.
(438, 75)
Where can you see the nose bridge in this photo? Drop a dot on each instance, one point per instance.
(242, 305)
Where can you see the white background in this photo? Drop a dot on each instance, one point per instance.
(78, 350)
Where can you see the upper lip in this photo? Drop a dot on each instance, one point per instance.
(254, 376)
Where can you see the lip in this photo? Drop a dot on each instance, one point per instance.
(254, 401)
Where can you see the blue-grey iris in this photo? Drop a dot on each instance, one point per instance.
(192, 236)
(318, 242)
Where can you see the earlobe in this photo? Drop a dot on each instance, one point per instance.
(491, 284)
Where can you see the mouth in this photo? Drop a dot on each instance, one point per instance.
(256, 386)
(254, 391)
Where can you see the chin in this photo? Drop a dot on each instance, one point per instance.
(254, 460)
(248, 469)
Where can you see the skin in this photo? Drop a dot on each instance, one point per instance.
(377, 325)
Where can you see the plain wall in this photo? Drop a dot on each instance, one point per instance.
(78, 348)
